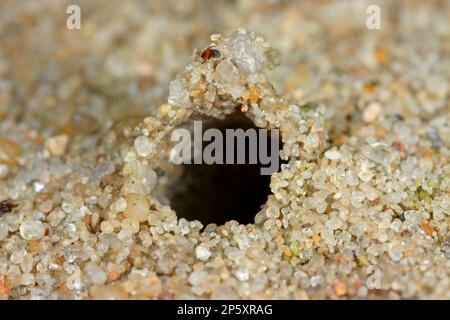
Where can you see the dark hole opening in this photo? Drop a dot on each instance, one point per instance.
(219, 193)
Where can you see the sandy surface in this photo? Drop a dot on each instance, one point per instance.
(359, 210)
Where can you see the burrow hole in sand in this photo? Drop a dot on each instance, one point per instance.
(218, 193)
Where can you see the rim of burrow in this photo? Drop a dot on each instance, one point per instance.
(294, 122)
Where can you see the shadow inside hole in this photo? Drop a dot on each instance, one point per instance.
(219, 193)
